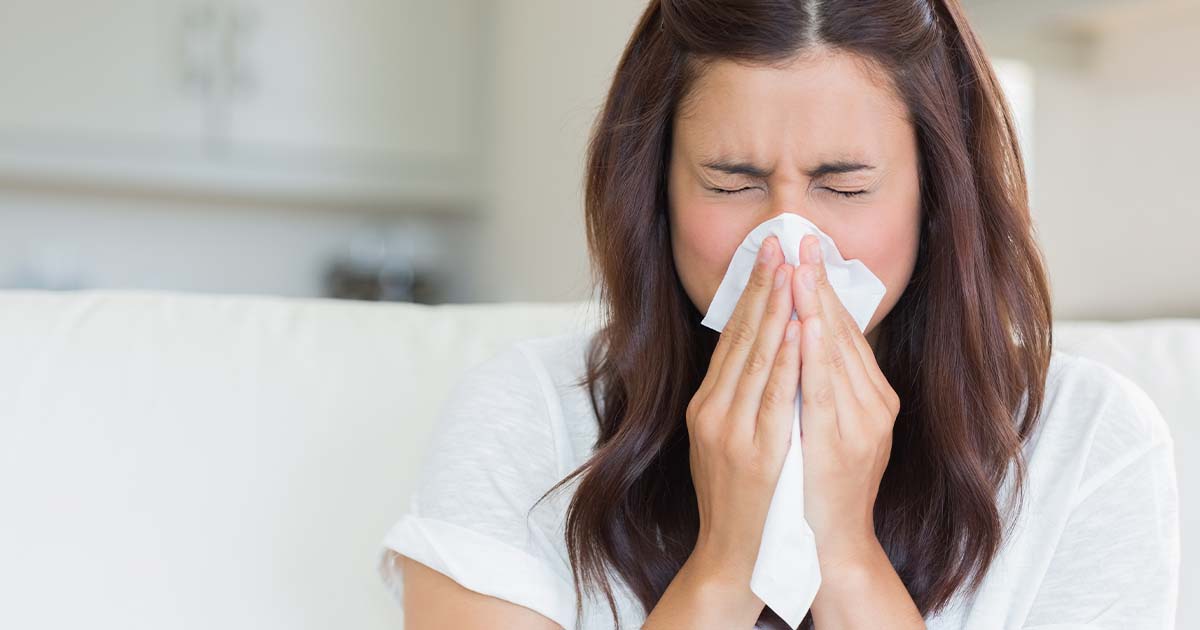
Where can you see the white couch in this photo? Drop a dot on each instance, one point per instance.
(190, 461)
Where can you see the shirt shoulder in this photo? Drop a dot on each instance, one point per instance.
(1108, 521)
(511, 428)
(560, 363)
(1097, 418)
(477, 512)
(1096, 539)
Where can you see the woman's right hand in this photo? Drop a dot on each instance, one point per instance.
(739, 421)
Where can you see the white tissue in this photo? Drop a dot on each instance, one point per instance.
(786, 574)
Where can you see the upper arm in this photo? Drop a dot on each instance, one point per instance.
(447, 604)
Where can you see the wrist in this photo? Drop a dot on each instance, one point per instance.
(722, 587)
(857, 571)
(721, 563)
(850, 556)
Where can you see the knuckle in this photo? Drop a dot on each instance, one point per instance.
(772, 397)
(821, 396)
(889, 401)
(836, 359)
(756, 362)
(706, 417)
(740, 333)
(879, 410)
(841, 333)
(689, 414)
(698, 418)
(819, 276)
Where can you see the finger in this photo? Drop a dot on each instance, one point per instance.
(818, 404)
(853, 349)
(734, 326)
(864, 347)
(760, 362)
(723, 341)
(773, 430)
(742, 328)
(846, 375)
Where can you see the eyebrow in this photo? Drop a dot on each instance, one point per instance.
(825, 168)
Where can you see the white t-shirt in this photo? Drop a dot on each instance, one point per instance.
(1096, 546)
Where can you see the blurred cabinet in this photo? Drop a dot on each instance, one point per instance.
(349, 101)
(95, 71)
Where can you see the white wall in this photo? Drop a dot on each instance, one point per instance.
(1117, 159)
(551, 67)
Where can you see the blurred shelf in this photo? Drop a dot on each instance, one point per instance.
(392, 183)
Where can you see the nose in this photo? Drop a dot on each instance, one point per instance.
(803, 210)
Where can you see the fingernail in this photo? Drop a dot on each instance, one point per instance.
(779, 276)
(791, 331)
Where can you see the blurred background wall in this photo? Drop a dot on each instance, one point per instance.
(433, 151)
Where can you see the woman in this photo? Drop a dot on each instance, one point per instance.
(959, 473)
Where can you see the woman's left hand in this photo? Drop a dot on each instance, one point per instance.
(847, 413)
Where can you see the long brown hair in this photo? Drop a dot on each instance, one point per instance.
(966, 347)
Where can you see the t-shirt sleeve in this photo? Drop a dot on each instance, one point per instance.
(492, 454)
(1116, 565)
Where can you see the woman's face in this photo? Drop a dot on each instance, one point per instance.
(822, 124)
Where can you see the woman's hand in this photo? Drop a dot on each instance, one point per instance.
(739, 420)
(847, 413)
(739, 427)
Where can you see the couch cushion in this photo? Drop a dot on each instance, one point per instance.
(179, 460)
(186, 460)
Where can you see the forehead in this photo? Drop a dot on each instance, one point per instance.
(820, 102)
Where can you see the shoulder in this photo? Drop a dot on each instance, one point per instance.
(543, 365)
(525, 375)
(1096, 419)
(504, 416)
(476, 514)
(1097, 396)
(1102, 540)
(560, 360)
(560, 364)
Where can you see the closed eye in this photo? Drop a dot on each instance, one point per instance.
(843, 193)
(846, 193)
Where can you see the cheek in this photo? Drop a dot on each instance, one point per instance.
(887, 245)
(703, 241)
